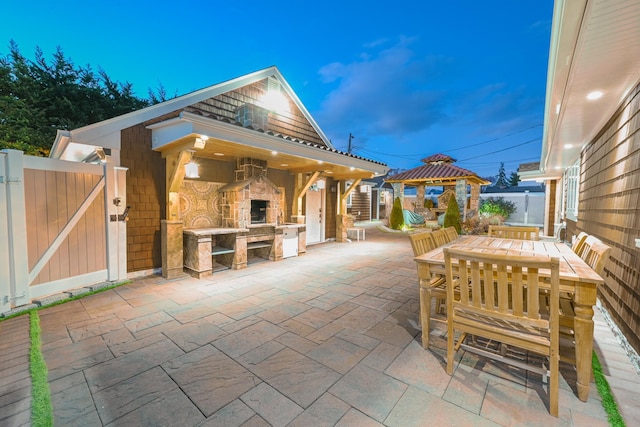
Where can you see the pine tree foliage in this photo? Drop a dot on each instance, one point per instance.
(396, 219)
(452, 214)
(40, 96)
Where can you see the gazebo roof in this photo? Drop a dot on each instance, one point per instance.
(437, 170)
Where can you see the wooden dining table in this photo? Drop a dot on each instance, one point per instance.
(577, 279)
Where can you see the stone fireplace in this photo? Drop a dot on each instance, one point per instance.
(252, 198)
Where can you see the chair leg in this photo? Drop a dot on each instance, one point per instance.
(451, 351)
(425, 314)
(554, 373)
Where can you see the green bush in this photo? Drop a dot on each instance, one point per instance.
(428, 203)
(452, 215)
(497, 206)
(396, 220)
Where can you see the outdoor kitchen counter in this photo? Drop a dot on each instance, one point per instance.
(203, 248)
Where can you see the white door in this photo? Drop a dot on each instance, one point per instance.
(315, 216)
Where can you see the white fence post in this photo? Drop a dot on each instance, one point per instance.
(5, 276)
(16, 228)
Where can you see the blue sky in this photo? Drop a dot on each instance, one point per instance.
(466, 78)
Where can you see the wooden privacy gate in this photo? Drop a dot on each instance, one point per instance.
(56, 231)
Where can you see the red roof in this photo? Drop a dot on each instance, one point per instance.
(434, 158)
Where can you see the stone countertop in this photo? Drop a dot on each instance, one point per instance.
(213, 231)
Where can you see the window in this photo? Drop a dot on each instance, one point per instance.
(572, 188)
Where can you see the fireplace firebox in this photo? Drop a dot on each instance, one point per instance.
(259, 211)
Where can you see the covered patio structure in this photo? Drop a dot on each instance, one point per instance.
(439, 170)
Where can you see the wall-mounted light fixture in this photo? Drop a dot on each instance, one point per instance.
(201, 142)
(191, 169)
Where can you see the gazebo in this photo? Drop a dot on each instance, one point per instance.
(439, 170)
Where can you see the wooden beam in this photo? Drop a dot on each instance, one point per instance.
(345, 195)
(175, 176)
(301, 190)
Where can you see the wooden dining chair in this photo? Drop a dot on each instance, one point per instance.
(514, 232)
(433, 288)
(421, 242)
(499, 303)
(451, 233)
(578, 243)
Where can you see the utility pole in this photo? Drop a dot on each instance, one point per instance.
(350, 138)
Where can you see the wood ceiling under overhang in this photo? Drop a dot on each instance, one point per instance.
(227, 142)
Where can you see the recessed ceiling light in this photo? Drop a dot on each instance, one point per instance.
(558, 167)
(320, 162)
(557, 108)
(596, 94)
(352, 168)
(274, 152)
(568, 146)
(218, 154)
(284, 164)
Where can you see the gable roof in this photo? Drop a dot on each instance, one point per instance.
(438, 170)
(98, 133)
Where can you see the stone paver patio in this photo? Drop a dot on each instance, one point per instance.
(326, 339)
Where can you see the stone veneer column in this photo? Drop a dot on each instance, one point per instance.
(420, 196)
(343, 222)
(298, 219)
(172, 260)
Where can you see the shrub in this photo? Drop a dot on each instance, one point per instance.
(497, 206)
(452, 215)
(396, 220)
(428, 203)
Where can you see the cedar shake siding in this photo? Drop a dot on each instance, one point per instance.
(227, 107)
(609, 208)
(145, 195)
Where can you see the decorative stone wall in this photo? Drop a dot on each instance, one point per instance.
(200, 204)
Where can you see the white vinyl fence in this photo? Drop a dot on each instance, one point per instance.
(57, 228)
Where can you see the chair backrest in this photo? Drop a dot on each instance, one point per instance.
(578, 244)
(422, 242)
(514, 232)
(440, 237)
(499, 294)
(451, 233)
(595, 254)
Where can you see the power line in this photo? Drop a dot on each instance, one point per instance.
(504, 149)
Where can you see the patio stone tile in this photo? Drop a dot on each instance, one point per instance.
(296, 376)
(343, 309)
(326, 332)
(304, 295)
(315, 318)
(164, 410)
(419, 408)
(371, 392)
(377, 303)
(324, 412)
(501, 399)
(338, 354)
(276, 409)
(239, 310)
(237, 325)
(210, 378)
(466, 389)
(17, 413)
(381, 357)
(244, 340)
(259, 354)
(392, 333)
(297, 328)
(418, 367)
(361, 319)
(125, 346)
(129, 313)
(128, 395)
(75, 357)
(190, 336)
(147, 321)
(357, 418)
(72, 400)
(16, 391)
(282, 312)
(358, 339)
(118, 337)
(113, 371)
(297, 343)
(256, 421)
(94, 327)
(580, 419)
(235, 414)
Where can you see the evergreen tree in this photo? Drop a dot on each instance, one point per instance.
(452, 215)
(502, 177)
(396, 219)
(514, 179)
(39, 97)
